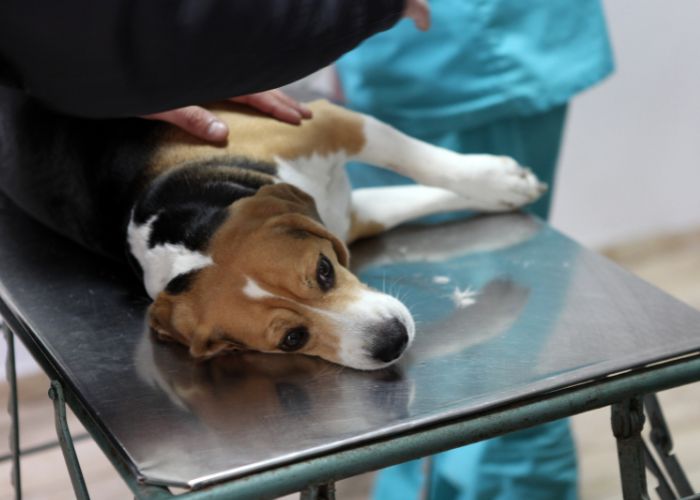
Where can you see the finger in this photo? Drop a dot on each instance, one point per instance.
(277, 104)
(285, 100)
(422, 18)
(303, 110)
(274, 106)
(419, 11)
(195, 120)
(285, 112)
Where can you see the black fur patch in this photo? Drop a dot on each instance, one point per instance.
(181, 283)
(190, 225)
(191, 202)
(238, 162)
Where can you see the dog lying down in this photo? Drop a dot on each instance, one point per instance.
(242, 246)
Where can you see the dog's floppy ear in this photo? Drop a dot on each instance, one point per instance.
(285, 205)
(173, 319)
(300, 222)
(278, 199)
(294, 198)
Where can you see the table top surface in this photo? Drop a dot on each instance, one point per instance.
(547, 314)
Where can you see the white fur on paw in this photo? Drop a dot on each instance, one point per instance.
(496, 183)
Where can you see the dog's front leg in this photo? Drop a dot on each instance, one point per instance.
(378, 209)
(489, 183)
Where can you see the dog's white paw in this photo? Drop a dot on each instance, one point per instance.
(495, 183)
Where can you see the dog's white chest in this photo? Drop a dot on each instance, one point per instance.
(324, 178)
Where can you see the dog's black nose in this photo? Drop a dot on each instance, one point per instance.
(390, 341)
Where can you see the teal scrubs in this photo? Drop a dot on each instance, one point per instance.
(491, 76)
(481, 61)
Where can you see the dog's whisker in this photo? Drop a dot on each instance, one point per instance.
(327, 369)
(393, 285)
(399, 293)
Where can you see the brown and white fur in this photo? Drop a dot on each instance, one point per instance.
(256, 280)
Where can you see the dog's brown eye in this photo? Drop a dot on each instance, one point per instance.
(294, 339)
(325, 274)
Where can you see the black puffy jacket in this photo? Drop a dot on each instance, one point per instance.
(116, 58)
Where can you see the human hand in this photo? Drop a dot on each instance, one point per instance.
(205, 125)
(419, 11)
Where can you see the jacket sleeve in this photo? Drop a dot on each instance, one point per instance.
(115, 58)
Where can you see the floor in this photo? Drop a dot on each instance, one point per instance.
(671, 263)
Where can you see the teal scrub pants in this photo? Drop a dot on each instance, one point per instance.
(533, 464)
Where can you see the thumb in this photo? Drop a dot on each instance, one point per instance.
(419, 11)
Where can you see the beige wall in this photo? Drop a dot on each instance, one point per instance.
(631, 159)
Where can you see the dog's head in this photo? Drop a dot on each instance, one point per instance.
(280, 283)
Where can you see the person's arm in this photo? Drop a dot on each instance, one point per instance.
(112, 58)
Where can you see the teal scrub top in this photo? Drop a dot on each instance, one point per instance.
(481, 60)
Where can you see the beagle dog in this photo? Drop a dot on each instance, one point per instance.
(243, 246)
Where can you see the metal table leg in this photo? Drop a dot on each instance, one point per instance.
(66, 442)
(663, 444)
(12, 409)
(324, 491)
(627, 421)
(663, 489)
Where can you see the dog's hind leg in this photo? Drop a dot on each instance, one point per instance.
(488, 182)
(378, 209)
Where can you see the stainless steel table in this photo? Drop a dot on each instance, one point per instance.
(554, 330)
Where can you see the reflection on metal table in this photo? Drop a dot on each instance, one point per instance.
(553, 330)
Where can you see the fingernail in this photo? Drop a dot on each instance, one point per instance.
(307, 113)
(217, 130)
